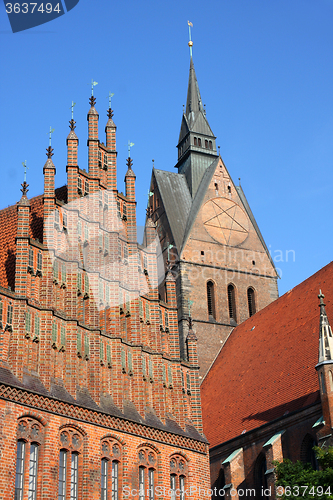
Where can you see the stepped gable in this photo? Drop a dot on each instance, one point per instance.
(266, 369)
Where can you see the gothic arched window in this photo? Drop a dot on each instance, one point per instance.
(260, 477)
(147, 470)
(178, 477)
(110, 469)
(307, 454)
(30, 438)
(70, 463)
(211, 300)
(232, 302)
(251, 302)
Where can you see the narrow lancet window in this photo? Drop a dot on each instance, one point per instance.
(251, 301)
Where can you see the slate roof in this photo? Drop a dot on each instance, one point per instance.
(8, 231)
(176, 199)
(267, 366)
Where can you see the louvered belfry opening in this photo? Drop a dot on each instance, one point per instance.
(251, 301)
(211, 300)
(231, 302)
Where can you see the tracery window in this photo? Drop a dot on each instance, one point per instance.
(30, 438)
(110, 469)
(147, 471)
(178, 476)
(71, 444)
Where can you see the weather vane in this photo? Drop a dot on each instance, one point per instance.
(72, 108)
(50, 135)
(24, 163)
(110, 95)
(92, 86)
(190, 43)
(130, 145)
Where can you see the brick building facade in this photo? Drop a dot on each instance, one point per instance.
(223, 269)
(268, 395)
(95, 400)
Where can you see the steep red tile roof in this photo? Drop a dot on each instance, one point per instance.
(267, 366)
(8, 231)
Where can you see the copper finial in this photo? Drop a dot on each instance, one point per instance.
(129, 162)
(110, 113)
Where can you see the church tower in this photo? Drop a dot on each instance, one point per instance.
(224, 272)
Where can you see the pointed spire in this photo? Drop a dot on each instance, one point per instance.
(325, 334)
(193, 102)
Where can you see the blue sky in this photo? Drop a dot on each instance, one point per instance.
(265, 73)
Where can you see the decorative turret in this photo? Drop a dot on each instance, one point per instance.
(93, 142)
(22, 239)
(325, 374)
(49, 171)
(196, 144)
(72, 142)
(110, 131)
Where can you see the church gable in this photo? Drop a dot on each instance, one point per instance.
(220, 217)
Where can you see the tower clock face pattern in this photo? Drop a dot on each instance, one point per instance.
(225, 221)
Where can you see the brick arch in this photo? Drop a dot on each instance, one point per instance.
(180, 453)
(307, 454)
(33, 414)
(73, 426)
(115, 437)
(149, 445)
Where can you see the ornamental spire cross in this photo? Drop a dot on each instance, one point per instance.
(24, 163)
(190, 43)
